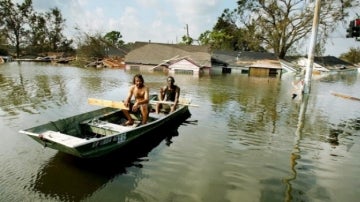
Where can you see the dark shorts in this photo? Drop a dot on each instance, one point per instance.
(137, 113)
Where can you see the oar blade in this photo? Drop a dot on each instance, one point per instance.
(170, 102)
(107, 103)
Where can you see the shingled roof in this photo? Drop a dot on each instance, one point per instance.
(333, 63)
(327, 63)
(247, 58)
(156, 53)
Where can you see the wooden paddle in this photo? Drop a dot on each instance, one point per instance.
(121, 105)
(345, 96)
(107, 103)
(170, 103)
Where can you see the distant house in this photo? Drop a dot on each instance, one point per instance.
(175, 58)
(186, 66)
(322, 64)
(114, 52)
(252, 63)
(289, 67)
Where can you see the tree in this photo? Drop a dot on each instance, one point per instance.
(3, 45)
(37, 38)
(34, 32)
(114, 38)
(91, 45)
(55, 24)
(217, 39)
(227, 36)
(282, 23)
(186, 40)
(353, 56)
(13, 19)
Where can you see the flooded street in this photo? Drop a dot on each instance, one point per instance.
(247, 140)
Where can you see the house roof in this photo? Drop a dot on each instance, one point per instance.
(327, 62)
(332, 63)
(114, 51)
(184, 64)
(245, 58)
(156, 53)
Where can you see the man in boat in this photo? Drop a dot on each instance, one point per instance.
(170, 92)
(141, 95)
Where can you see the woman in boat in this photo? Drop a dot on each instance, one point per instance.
(170, 92)
(141, 95)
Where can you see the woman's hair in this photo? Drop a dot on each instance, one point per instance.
(139, 76)
(172, 78)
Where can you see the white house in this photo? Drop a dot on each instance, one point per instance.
(185, 65)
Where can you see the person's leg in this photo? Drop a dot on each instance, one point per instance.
(129, 121)
(172, 108)
(144, 113)
(158, 107)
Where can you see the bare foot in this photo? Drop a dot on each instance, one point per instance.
(128, 123)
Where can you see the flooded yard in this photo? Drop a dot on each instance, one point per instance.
(247, 140)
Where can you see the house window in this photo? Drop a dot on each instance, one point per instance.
(135, 68)
(183, 71)
(245, 71)
(273, 72)
(226, 70)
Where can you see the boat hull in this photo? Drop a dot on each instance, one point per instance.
(99, 132)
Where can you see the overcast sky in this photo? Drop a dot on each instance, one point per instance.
(161, 21)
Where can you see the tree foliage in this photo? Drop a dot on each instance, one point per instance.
(30, 31)
(90, 46)
(3, 45)
(13, 18)
(186, 40)
(96, 45)
(283, 23)
(55, 26)
(278, 25)
(353, 56)
(226, 35)
(114, 38)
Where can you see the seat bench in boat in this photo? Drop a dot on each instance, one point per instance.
(62, 138)
(106, 128)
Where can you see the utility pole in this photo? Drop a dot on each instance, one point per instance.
(309, 66)
(187, 30)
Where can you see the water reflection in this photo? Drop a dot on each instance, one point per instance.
(295, 155)
(31, 94)
(344, 133)
(343, 130)
(72, 179)
(349, 78)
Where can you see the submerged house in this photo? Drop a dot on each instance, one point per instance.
(186, 66)
(326, 64)
(175, 58)
(251, 63)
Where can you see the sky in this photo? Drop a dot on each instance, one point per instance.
(161, 21)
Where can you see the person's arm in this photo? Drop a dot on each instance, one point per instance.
(177, 95)
(176, 101)
(128, 98)
(162, 94)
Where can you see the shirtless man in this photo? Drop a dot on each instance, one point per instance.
(141, 94)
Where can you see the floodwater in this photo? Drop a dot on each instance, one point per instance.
(247, 140)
